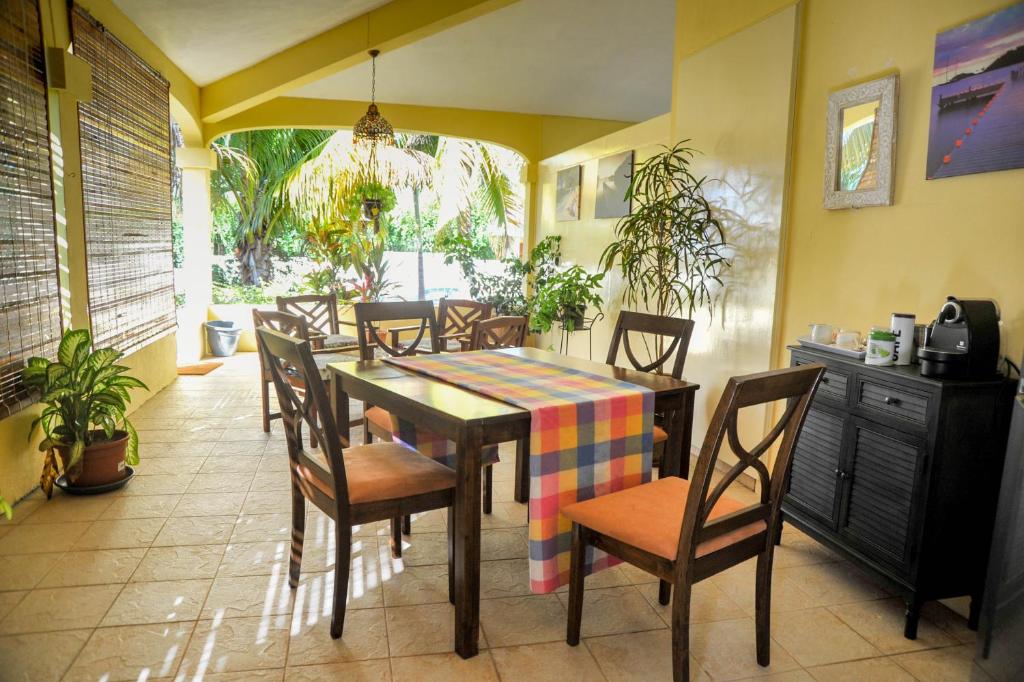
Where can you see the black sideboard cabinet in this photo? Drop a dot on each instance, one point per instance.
(900, 474)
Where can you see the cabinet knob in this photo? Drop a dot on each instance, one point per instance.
(824, 380)
(888, 400)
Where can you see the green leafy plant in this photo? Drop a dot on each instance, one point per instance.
(366, 254)
(565, 297)
(671, 249)
(85, 396)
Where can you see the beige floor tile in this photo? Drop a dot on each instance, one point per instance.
(832, 583)
(523, 620)
(270, 481)
(739, 583)
(365, 637)
(179, 563)
(170, 465)
(133, 652)
(707, 603)
(217, 483)
(799, 675)
(951, 664)
(209, 504)
(158, 602)
(503, 543)
(421, 549)
(255, 595)
(120, 533)
(636, 576)
(727, 650)
(260, 527)
(193, 434)
(553, 662)
(161, 450)
(505, 578)
(801, 550)
(818, 637)
(505, 515)
(417, 585)
(255, 558)
(275, 675)
(868, 670)
(357, 671)
(616, 610)
(96, 567)
(220, 463)
(421, 629)
(195, 530)
(267, 502)
(40, 657)
(39, 538)
(8, 600)
(42, 610)
(159, 484)
(141, 507)
(63, 508)
(238, 449)
(236, 644)
(949, 620)
(434, 521)
(638, 657)
(881, 623)
(24, 571)
(444, 668)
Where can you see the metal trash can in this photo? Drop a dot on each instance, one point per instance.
(222, 335)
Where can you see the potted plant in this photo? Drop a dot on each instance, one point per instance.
(85, 396)
(671, 249)
(565, 297)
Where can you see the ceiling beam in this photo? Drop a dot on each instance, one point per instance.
(386, 28)
(534, 136)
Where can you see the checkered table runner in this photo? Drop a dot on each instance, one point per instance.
(589, 436)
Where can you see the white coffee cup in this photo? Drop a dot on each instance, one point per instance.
(822, 333)
(848, 338)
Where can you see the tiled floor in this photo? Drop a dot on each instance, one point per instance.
(182, 575)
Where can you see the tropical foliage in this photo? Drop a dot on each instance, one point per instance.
(85, 396)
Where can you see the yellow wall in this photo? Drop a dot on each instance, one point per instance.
(961, 236)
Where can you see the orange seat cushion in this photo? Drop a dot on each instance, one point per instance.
(379, 417)
(379, 471)
(650, 517)
(659, 435)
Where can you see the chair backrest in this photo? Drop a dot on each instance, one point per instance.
(285, 323)
(319, 311)
(673, 332)
(796, 385)
(370, 335)
(287, 357)
(456, 315)
(498, 332)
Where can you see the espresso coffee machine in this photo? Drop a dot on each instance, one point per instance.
(963, 341)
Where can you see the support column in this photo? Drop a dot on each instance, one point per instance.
(197, 221)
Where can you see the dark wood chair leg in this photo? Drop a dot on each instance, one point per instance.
(913, 615)
(312, 435)
(298, 535)
(778, 535)
(763, 606)
(367, 436)
(396, 537)
(576, 566)
(488, 488)
(265, 403)
(451, 555)
(407, 524)
(664, 592)
(342, 561)
(522, 491)
(974, 613)
(681, 632)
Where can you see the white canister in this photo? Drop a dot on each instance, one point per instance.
(881, 347)
(903, 328)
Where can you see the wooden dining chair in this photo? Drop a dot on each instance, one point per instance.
(498, 332)
(455, 317)
(674, 335)
(285, 323)
(321, 314)
(361, 484)
(682, 538)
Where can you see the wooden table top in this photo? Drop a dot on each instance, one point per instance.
(448, 400)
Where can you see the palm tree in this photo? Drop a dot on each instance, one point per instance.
(253, 174)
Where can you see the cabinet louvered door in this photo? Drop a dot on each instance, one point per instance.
(883, 478)
(813, 482)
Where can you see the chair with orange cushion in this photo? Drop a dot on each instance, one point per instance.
(363, 484)
(682, 538)
(674, 335)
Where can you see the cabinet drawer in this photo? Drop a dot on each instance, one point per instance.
(834, 383)
(896, 402)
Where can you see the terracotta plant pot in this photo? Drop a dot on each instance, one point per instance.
(102, 462)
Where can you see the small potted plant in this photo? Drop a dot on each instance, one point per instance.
(85, 396)
(565, 297)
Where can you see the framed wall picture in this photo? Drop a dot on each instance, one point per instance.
(567, 194)
(977, 106)
(613, 176)
(860, 144)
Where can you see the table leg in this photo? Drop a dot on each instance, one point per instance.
(467, 544)
(687, 420)
(521, 492)
(676, 457)
(339, 406)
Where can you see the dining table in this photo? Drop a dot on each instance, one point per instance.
(473, 421)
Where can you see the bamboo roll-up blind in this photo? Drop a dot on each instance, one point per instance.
(30, 322)
(126, 183)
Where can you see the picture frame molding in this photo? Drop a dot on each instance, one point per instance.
(886, 90)
(579, 192)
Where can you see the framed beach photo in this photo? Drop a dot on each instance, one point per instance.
(860, 144)
(977, 106)
(613, 175)
(567, 194)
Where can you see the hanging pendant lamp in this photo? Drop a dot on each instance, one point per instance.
(373, 128)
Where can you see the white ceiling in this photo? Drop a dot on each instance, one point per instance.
(209, 39)
(609, 59)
